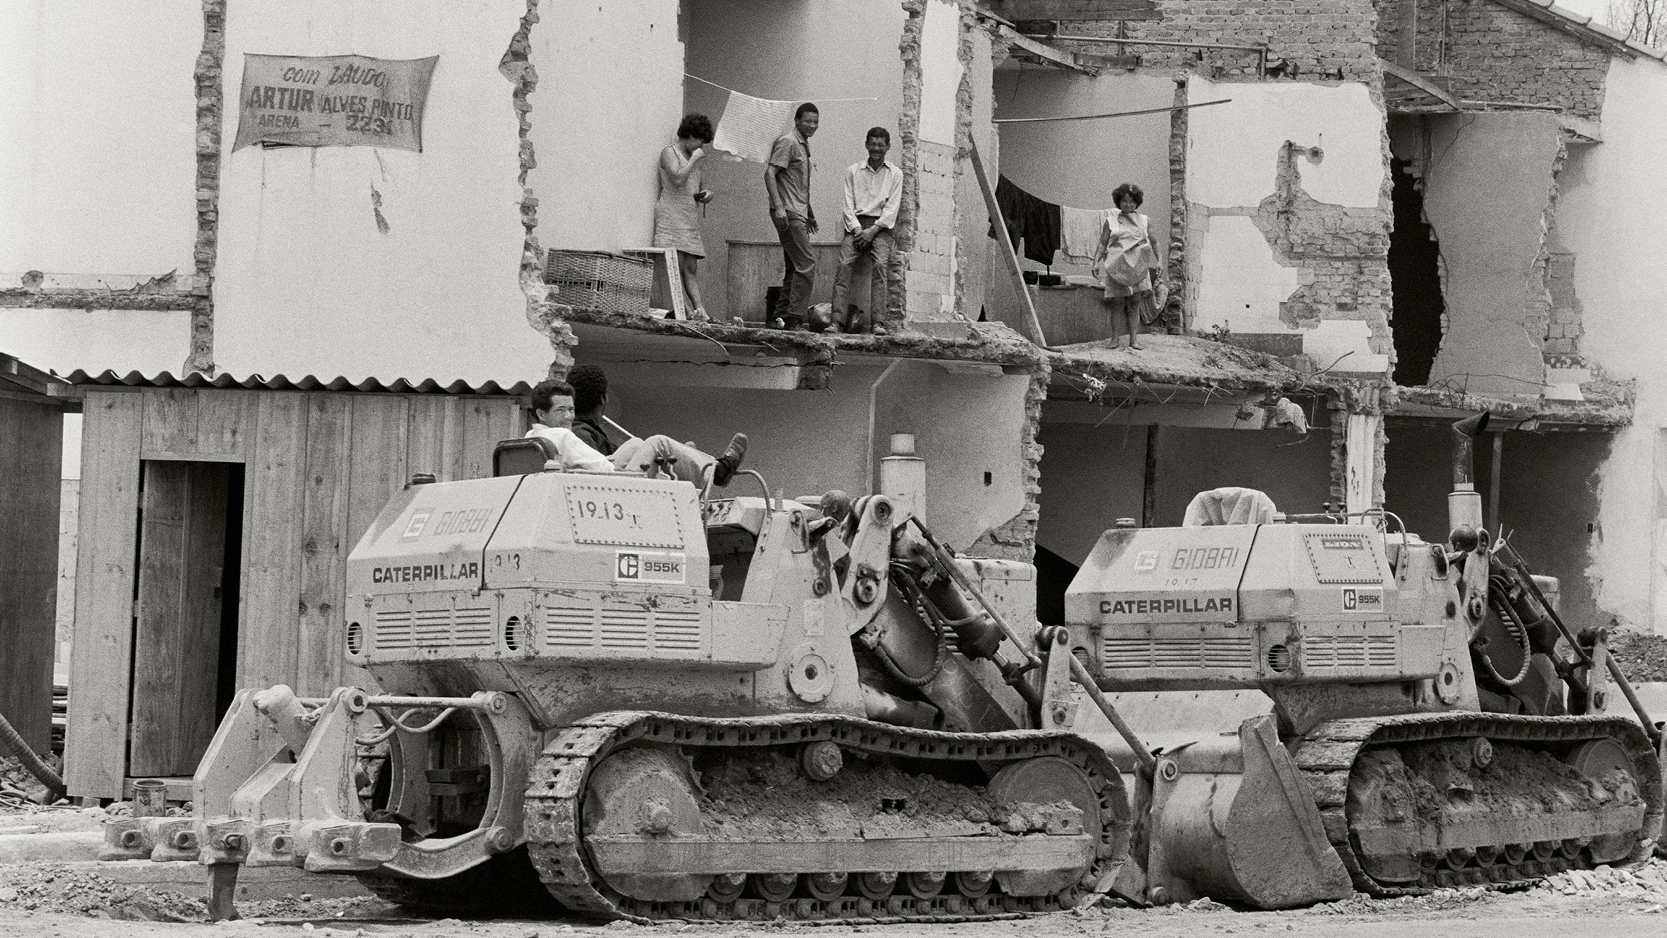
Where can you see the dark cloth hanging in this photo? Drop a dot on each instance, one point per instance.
(1029, 219)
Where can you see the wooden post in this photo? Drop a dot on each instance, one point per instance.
(1493, 483)
(29, 509)
(1149, 480)
(1032, 327)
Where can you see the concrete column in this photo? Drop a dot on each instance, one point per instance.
(1363, 455)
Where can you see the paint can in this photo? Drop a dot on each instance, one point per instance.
(150, 798)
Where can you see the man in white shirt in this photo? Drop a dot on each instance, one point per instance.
(552, 405)
(873, 194)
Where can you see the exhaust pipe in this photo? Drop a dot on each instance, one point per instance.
(1464, 503)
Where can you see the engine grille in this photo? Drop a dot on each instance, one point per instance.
(625, 628)
(406, 629)
(1218, 652)
(1332, 652)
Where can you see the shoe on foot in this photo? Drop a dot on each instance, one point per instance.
(730, 460)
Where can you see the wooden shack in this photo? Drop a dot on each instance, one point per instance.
(32, 404)
(216, 519)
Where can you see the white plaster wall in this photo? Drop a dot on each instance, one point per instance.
(306, 284)
(98, 137)
(1242, 285)
(965, 425)
(97, 340)
(1233, 149)
(1612, 213)
(610, 94)
(940, 71)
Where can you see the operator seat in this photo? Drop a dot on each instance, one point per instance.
(522, 456)
(1229, 505)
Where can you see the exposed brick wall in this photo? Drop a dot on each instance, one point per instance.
(1315, 38)
(930, 282)
(1565, 325)
(926, 281)
(210, 104)
(1344, 249)
(1489, 52)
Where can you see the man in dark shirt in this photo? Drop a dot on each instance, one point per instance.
(590, 398)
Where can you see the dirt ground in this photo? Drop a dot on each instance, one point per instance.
(51, 901)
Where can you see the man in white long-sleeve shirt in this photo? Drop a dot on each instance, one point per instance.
(552, 405)
(873, 194)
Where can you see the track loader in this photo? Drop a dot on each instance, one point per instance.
(616, 696)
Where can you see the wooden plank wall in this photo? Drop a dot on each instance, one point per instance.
(95, 746)
(31, 459)
(318, 467)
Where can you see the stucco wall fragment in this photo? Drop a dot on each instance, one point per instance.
(1488, 187)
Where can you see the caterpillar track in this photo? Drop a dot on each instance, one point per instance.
(564, 775)
(1342, 758)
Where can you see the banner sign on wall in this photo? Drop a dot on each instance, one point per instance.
(333, 101)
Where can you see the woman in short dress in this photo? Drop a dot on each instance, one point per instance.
(676, 218)
(1128, 264)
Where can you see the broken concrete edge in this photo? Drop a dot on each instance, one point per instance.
(1219, 366)
(517, 67)
(210, 92)
(991, 343)
(84, 299)
(1608, 406)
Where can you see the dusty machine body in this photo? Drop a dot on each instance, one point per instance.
(1337, 705)
(609, 692)
(604, 690)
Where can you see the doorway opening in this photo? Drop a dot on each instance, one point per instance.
(185, 612)
(1415, 277)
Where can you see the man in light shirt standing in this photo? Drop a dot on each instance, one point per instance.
(873, 193)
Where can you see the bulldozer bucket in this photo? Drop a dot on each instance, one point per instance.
(1232, 818)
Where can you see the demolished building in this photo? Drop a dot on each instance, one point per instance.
(303, 328)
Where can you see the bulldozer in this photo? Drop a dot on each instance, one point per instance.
(621, 697)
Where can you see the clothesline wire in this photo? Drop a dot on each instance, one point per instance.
(706, 81)
(1090, 117)
(714, 84)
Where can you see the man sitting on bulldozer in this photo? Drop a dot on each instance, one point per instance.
(551, 403)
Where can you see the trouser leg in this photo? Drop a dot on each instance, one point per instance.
(879, 278)
(687, 463)
(801, 269)
(848, 257)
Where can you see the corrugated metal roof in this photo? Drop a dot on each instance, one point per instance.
(285, 383)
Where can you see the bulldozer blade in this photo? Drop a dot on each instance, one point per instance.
(1253, 835)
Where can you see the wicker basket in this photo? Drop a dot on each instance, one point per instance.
(612, 283)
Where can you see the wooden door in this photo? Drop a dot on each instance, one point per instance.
(182, 542)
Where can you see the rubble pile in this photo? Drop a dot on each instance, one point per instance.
(1642, 656)
(1646, 883)
(59, 889)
